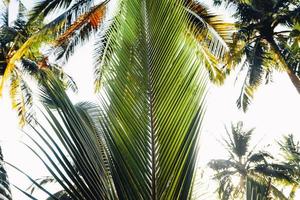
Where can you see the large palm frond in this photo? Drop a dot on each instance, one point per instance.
(78, 164)
(85, 17)
(147, 72)
(153, 106)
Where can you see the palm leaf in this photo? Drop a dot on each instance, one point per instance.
(77, 142)
(151, 123)
(153, 108)
(79, 30)
(256, 190)
(44, 7)
(214, 36)
(94, 17)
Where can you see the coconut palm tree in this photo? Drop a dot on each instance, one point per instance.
(267, 39)
(5, 193)
(74, 25)
(14, 38)
(142, 141)
(243, 165)
(289, 165)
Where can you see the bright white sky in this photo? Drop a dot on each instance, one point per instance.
(274, 112)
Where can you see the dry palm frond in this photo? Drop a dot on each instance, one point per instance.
(93, 18)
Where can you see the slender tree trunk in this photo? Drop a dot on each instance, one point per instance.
(293, 77)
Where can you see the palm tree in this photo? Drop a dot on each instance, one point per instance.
(5, 193)
(242, 165)
(74, 26)
(15, 45)
(267, 39)
(290, 165)
(142, 141)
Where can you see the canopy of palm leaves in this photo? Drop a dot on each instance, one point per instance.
(83, 18)
(75, 23)
(19, 42)
(286, 172)
(242, 164)
(142, 143)
(267, 39)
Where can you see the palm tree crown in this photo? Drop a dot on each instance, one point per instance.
(267, 39)
(241, 164)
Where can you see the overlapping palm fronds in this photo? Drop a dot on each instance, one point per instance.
(214, 35)
(82, 18)
(266, 33)
(20, 56)
(288, 168)
(142, 144)
(251, 169)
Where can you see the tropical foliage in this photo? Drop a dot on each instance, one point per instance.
(246, 166)
(153, 62)
(75, 23)
(142, 143)
(81, 19)
(21, 59)
(287, 168)
(267, 39)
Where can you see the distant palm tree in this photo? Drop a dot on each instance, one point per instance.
(241, 166)
(267, 39)
(287, 171)
(5, 193)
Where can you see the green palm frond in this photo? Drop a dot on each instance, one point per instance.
(218, 27)
(147, 72)
(214, 35)
(153, 107)
(81, 168)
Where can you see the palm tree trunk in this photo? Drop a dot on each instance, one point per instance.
(293, 77)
